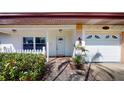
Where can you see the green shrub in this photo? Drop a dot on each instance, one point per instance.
(21, 66)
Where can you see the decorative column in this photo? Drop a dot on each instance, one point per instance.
(122, 47)
(80, 32)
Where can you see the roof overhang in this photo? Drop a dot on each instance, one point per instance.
(96, 15)
(60, 18)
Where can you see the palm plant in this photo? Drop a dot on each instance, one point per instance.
(79, 59)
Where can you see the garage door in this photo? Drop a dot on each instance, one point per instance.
(103, 48)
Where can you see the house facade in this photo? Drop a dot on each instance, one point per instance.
(55, 34)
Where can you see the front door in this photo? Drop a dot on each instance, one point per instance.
(60, 46)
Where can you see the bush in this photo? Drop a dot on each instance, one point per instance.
(21, 66)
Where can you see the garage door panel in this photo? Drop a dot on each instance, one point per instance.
(103, 50)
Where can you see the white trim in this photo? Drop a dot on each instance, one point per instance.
(74, 40)
(47, 46)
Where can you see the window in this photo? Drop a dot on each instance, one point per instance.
(28, 43)
(100, 37)
(34, 43)
(40, 42)
(89, 37)
(96, 36)
(115, 37)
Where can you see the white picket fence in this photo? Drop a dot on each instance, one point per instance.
(10, 49)
(24, 51)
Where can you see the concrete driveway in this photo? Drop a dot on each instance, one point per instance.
(107, 72)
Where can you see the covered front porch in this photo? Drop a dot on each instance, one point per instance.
(55, 34)
(50, 40)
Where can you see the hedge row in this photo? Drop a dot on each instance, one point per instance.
(20, 66)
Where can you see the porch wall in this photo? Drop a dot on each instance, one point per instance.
(15, 39)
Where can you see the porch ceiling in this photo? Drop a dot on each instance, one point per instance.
(61, 18)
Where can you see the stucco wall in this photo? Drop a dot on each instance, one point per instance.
(69, 31)
(16, 38)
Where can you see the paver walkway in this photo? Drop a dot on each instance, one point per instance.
(57, 65)
(59, 70)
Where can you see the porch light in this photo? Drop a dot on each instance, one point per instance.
(60, 30)
(105, 27)
(14, 30)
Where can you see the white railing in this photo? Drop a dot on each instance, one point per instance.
(10, 49)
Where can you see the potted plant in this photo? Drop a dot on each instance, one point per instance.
(79, 58)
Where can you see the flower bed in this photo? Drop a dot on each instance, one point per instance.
(21, 66)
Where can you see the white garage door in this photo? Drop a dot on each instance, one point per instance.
(103, 48)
